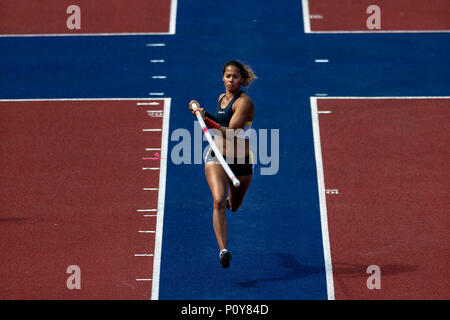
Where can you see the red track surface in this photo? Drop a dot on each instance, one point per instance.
(99, 16)
(350, 15)
(71, 182)
(389, 160)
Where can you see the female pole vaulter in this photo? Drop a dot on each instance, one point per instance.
(234, 113)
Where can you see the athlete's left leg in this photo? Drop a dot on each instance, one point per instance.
(236, 196)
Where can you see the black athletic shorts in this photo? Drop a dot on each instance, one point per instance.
(239, 166)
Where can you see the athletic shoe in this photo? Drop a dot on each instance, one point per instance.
(225, 258)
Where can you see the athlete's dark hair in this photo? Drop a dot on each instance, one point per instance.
(246, 71)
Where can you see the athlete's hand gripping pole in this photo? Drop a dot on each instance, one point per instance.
(219, 156)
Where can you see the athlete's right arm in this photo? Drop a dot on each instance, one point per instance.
(196, 108)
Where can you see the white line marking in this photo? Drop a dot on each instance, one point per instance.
(155, 45)
(305, 11)
(143, 255)
(151, 130)
(173, 16)
(150, 189)
(143, 279)
(150, 168)
(147, 103)
(157, 61)
(156, 93)
(147, 210)
(152, 149)
(150, 215)
(159, 77)
(147, 231)
(325, 111)
(321, 94)
(321, 60)
(161, 199)
(322, 200)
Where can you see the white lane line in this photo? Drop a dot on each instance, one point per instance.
(157, 60)
(159, 77)
(152, 149)
(151, 130)
(147, 231)
(325, 111)
(150, 168)
(150, 189)
(143, 279)
(305, 11)
(147, 210)
(173, 16)
(322, 200)
(321, 60)
(143, 255)
(321, 94)
(155, 45)
(156, 93)
(147, 103)
(161, 199)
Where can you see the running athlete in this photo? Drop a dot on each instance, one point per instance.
(231, 122)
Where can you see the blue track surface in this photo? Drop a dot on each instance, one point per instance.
(275, 237)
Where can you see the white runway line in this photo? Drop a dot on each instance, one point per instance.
(305, 12)
(147, 103)
(151, 130)
(322, 200)
(173, 16)
(161, 200)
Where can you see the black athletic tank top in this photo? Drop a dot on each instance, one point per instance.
(223, 116)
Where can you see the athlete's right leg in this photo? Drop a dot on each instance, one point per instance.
(218, 183)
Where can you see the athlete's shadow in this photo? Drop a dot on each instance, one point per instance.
(294, 271)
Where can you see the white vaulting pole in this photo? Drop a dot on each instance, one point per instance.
(219, 156)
